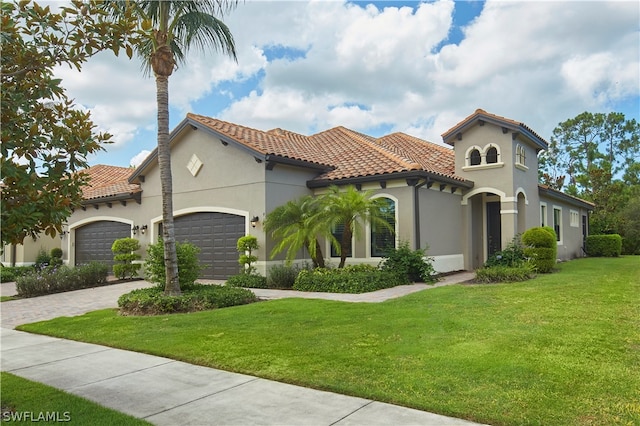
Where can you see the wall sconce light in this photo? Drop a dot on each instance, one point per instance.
(254, 221)
(135, 229)
(62, 234)
(143, 229)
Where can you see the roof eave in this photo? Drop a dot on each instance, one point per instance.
(559, 195)
(124, 196)
(421, 174)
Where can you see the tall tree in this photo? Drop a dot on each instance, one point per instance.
(297, 225)
(599, 154)
(45, 138)
(172, 28)
(350, 209)
(588, 142)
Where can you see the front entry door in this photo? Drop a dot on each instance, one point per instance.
(494, 228)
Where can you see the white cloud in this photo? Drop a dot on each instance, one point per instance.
(139, 158)
(370, 68)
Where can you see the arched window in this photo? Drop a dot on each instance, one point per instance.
(492, 155)
(382, 238)
(521, 155)
(474, 158)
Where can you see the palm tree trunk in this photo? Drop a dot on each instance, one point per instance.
(318, 259)
(172, 285)
(345, 244)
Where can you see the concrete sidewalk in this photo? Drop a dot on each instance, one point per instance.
(167, 392)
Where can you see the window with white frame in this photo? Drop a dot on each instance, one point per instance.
(492, 155)
(543, 214)
(557, 222)
(521, 155)
(475, 158)
(574, 219)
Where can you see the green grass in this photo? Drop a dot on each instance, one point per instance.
(7, 298)
(562, 349)
(21, 397)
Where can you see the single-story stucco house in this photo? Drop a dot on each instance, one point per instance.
(464, 202)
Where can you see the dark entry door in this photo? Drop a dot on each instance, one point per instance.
(494, 228)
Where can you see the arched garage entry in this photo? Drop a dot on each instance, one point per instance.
(216, 234)
(93, 241)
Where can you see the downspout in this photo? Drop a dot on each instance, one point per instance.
(416, 212)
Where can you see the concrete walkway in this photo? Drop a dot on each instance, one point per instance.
(168, 392)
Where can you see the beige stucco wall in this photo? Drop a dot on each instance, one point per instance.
(27, 252)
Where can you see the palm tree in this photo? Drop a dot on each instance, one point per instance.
(170, 29)
(296, 224)
(350, 209)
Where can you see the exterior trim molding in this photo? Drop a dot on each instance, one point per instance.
(465, 198)
(202, 209)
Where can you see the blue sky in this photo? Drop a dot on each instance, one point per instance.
(380, 67)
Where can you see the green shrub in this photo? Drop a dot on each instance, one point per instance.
(512, 256)
(42, 259)
(124, 249)
(188, 264)
(541, 248)
(11, 273)
(94, 274)
(540, 236)
(55, 256)
(412, 263)
(245, 246)
(282, 276)
(60, 279)
(194, 297)
(501, 273)
(604, 245)
(350, 279)
(247, 280)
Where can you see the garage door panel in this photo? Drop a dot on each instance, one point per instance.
(216, 234)
(93, 241)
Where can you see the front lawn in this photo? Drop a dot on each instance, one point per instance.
(562, 349)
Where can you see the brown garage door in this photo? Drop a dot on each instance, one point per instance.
(94, 241)
(216, 234)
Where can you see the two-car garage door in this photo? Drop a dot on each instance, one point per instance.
(216, 234)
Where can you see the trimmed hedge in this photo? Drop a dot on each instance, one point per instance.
(541, 248)
(501, 274)
(60, 279)
(604, 245)
(11, 273)
(247, 280)
(350, 279)
(194, 297)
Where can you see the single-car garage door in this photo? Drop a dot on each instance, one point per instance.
(94, 241)
(216, 234)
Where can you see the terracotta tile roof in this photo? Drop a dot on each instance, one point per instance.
(349, 154)
(108, 181)
(275, 142)
(480, 113)
(430, 157)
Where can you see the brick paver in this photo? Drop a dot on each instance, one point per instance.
(70, 303)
